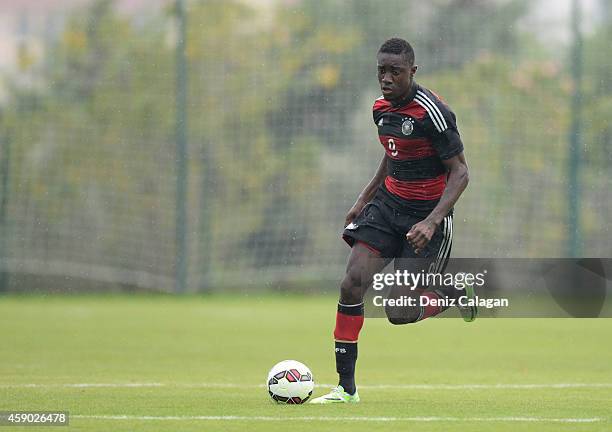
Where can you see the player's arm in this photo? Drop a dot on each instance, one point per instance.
(368, 192)
(458, 177)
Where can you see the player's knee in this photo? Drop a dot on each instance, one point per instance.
(401, 316)
(399, 320)
(350, 288)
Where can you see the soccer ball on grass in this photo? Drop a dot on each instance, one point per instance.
(290, 382)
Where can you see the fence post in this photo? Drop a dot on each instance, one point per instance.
(181, 150)
(574, 232)
(5, 154)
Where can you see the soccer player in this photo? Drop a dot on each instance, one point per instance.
(405, 211)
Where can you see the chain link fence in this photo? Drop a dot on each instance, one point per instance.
(279, 134)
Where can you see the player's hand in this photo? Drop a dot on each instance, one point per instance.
(354, 212)
(420, 234)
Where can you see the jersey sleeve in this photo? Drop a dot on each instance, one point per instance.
(448, 141)
(445, 133)
(377, 110)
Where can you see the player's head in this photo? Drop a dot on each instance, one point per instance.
(396, 68)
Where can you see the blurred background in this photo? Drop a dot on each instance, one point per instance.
(204, 145)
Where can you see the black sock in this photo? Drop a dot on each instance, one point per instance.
(346, 357)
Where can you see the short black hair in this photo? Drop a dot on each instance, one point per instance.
(398, 46)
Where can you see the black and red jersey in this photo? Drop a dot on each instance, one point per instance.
(417, 133)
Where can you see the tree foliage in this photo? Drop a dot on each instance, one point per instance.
(274, 91)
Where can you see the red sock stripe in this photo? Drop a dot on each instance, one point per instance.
(347, 327)
(429, 310)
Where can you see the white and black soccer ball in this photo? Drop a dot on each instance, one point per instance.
(290, 382)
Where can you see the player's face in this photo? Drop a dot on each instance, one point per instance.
(394, 76)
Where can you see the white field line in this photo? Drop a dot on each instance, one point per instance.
(343, 418)
(499, 386)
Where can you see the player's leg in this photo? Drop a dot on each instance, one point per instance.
(364, 262)
(433, 259)
(438, 265)
(409, 312)
(371, 239)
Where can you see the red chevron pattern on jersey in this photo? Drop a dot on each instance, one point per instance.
(407, 131)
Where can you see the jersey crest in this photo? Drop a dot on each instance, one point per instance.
(407, 126)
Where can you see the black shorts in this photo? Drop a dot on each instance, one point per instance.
(383, 228)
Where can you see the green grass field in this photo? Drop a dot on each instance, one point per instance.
(199, 363)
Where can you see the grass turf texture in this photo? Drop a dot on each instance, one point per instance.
(186, 344)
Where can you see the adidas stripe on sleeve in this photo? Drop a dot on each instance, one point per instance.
(446, 139)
